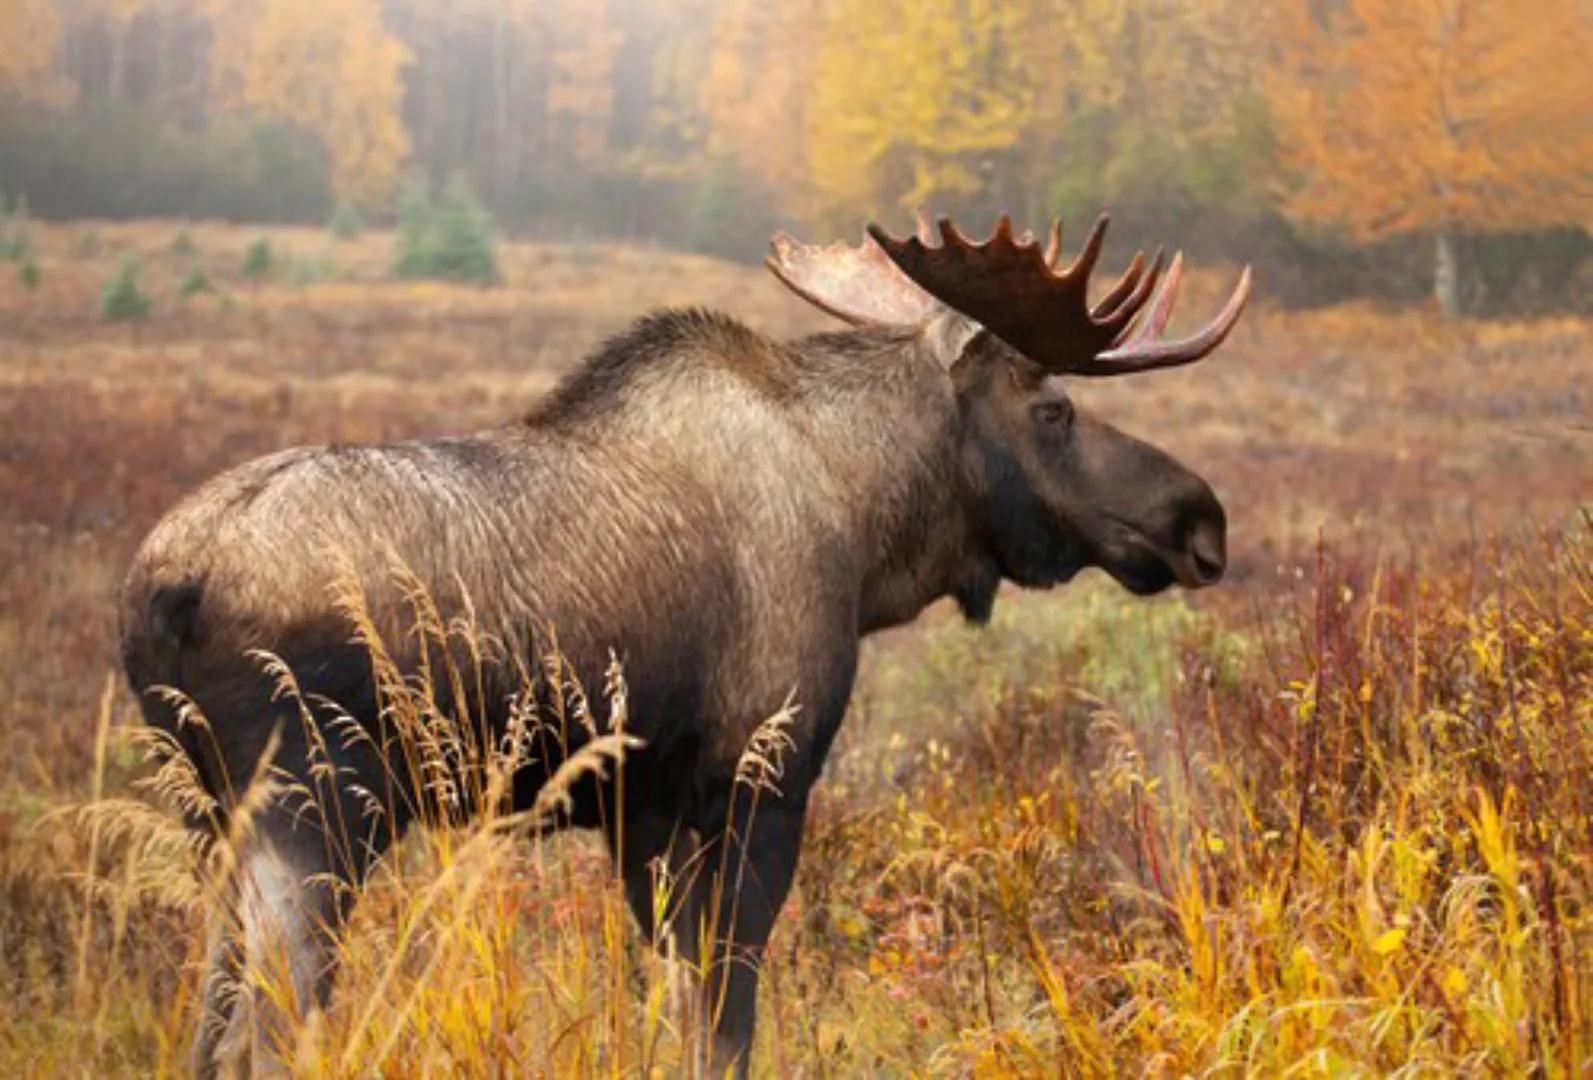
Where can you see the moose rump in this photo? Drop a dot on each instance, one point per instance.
(310, 564)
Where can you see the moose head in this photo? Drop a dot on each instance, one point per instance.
(1060, 489)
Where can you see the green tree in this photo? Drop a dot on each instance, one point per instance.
(122, 299)
(345, 222)
(257, 260)
(449, 240)
(194, 283)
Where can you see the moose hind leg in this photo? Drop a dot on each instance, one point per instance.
(219, 1012)
(292, 907)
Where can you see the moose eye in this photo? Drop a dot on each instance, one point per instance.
(1054, 412)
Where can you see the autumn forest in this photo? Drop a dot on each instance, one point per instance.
(1436, 151)
(1328, 818)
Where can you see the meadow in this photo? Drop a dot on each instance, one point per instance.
(1330, 818)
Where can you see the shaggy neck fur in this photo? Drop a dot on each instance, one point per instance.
(857, 433)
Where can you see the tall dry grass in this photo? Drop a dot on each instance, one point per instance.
(486, 946)
(1370, 853)
(1351, 835)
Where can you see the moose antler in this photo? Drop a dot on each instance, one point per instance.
(1013, 289)
(858, 284)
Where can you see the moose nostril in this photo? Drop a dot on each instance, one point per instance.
(1206, 552)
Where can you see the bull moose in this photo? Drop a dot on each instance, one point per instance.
(723, 514)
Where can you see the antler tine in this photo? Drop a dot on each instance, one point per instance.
(1121, 290)
(1053, 249)
(951, 238)
(1124, 285)
(1160, 312)
(1142, 352)
(1162, 309)
(1120, 316)
(1078, 274)
(926, 228)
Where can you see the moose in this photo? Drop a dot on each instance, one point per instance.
(724, 515)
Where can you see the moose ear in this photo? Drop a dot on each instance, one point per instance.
(950, 336)
(858, 284)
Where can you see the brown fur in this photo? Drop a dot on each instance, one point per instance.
(727, 513)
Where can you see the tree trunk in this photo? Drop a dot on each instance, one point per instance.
(1446, 276)
(502, 156)
(115, 84)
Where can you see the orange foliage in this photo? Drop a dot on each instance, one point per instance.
(1403, 115)
(754, 89)
(30, 30)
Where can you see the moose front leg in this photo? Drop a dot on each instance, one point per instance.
(656, 854)
(743, 882)
(727, 888)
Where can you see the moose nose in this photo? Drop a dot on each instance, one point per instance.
(1207, 559)
(1201, 546)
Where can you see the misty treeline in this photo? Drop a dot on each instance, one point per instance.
(1421, 150)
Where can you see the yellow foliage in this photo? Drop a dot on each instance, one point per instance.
(911, 99)
(754, 93)
(580, 90)
(335, 69)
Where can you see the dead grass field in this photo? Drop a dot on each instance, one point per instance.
(1004, 875)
